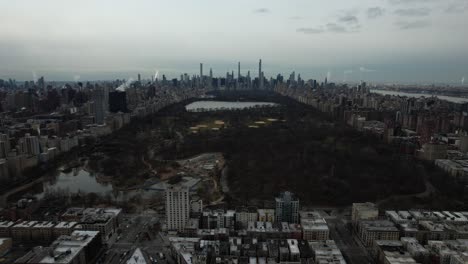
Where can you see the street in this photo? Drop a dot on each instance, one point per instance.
(137, 231)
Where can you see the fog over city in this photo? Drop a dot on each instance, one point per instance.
(400, 41)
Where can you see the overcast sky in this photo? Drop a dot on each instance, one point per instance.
(375, 40)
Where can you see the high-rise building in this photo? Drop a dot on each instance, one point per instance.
(118, 102)
(99, 105)
(211, 79)
(287, 208)
(260, 75)
(177, 207)
(4, 145)
(201, 74)
(32, 145)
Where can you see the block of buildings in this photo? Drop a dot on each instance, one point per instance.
(370, 231)
(81, 247)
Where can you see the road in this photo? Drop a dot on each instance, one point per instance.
(137, 232)
(351, 248)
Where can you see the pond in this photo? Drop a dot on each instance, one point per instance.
(79, 180)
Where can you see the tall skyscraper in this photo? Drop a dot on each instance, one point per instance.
(139, 78)
(177, 207)
(4, 145)
(260, 75)
(32, 145)
(287, 208)
(210, 85)
(99, 105)
(201, 75)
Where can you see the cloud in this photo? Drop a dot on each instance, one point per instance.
(262, 10)
(412, 24)
(348, 71)
(295, 17)
(375, 12)
(308, 30)
(333, 27)
(330, 27)
(457, 8)
(348, 19)
(364, 69)
(413, 12)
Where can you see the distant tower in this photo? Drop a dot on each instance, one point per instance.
(238, 70)
(139, 78)
(201, 74)
(99, 105)
(260, 74)
(211, 78)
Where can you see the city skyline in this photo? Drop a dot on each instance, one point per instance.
(380, 41)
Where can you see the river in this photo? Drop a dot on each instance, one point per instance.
(452, 99)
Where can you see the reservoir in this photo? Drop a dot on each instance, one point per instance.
(205, 106)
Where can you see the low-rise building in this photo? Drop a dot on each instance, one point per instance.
(370, 231)
(244, 215)
(22, 232)
(63, 228)
(42, 231)
(326, 252)
(364, 211)
(105, 220)
(5, 228)
(314, 227)
(81, 247)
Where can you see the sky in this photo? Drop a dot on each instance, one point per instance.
(399, 41)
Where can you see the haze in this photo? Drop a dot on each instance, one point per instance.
(401, 41)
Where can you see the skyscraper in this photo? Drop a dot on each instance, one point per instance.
(99, 105)
(260, 75)
(32, 145)
(238, 76)
(177, 207)
(201, 75)
(4, 145)
(210, 85)
(287, 208)
(201, 70)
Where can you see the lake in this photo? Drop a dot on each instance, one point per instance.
(81, 181)
(204, 106)
(452, 99)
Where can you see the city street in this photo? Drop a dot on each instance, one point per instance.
(137, 231)
(353, 250)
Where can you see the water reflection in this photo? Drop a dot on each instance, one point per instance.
(81, 181)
